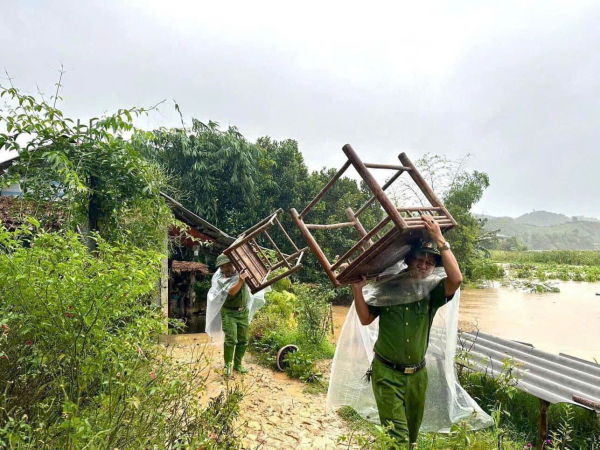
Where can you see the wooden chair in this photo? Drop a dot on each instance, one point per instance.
(247, 255)
(372, 254)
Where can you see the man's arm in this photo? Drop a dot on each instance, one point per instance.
(362, 309)
(237, 286)
(449, 262)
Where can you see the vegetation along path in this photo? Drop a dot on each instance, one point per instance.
(277, 412)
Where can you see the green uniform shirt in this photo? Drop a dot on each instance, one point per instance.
(235, 301)
(404, 329)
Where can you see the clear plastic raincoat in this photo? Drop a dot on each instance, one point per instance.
(217, 296)
(446, 401)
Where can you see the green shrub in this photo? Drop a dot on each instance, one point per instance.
(314, 318)
(79, 360)
(482, 269)
(301, 365)
(301, 318)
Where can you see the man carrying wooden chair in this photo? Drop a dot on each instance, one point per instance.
(406, 305)
(230, 308)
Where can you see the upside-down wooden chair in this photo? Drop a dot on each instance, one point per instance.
(247, 255)
(372, 254)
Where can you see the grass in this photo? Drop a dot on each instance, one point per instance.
(564, 265)
(369, 436)
(562, 272)
(516, 429)
(568, 257)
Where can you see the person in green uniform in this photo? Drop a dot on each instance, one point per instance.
(235, 319)
(398, 373)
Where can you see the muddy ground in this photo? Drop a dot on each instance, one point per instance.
(277, 412)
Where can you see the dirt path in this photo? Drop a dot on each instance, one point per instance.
(276, 413)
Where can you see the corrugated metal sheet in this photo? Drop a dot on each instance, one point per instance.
(554, 378)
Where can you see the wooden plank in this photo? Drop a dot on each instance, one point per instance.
(314, 246)
(248, 266)
(325, 189)
(349, 253)
(332, 226)
(266, 259)
(254, 265)
(386, 166)
(240, 265)
(385, 202)
(427, 191)
(384, 187)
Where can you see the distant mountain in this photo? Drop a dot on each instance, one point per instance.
(543, 230)
(543, 219)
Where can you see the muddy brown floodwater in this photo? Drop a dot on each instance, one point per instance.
(566, 322)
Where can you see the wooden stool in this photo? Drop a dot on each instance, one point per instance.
(246, 255)
(372, 254)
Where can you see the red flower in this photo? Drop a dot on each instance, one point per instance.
(69, 315)
(152, 375)
(70, 306)
(29, 343)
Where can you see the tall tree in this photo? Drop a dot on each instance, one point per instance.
(213, 172)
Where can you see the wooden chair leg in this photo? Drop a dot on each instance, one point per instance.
(361, 230)
(427, 191)
(383, 199)
(314, 246)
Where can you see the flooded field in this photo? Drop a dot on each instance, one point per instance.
(565, 322)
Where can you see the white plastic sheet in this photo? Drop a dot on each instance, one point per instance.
(217, 296)
(446, 402)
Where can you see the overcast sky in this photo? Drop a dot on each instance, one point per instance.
(515, 83)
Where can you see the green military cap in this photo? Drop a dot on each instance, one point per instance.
(222, 259)
(426, 246)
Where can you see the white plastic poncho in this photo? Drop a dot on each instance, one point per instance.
(217, 296)
(446, 402)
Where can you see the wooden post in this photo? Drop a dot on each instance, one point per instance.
(542, 424)
(385, 202)
(192, 291)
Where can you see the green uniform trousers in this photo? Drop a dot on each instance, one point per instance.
(400, 400)
(235, 328)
